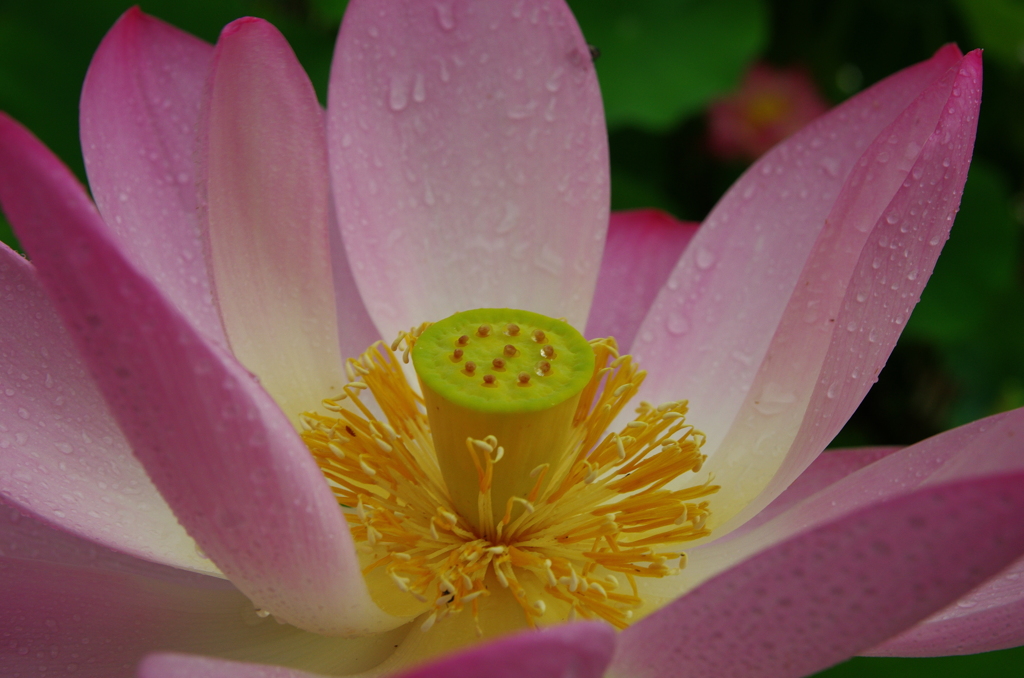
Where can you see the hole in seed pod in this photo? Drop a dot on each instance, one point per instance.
(510, 350)
(512, 330)
(538, 336)
(463, 340)
(483, 330)
(470, 367)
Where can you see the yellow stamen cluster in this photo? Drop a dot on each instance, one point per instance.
(601, 513)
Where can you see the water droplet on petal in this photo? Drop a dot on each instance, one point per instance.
(399, 96)
(705, 258)
(678, 324)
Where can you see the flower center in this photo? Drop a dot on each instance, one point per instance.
(502, 474)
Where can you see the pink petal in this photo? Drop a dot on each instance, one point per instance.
(469, 158)
(888, 273)
(640, 252)
(828, 468)
(356, 330)
(753, 246)
(836, 589)
(216, 446)
(784, 317)
(139, 111)
(986, 447)
(97, 613)
(988, 618)
(63, 457)
(264, 173)
(577, 650)
(192, 666)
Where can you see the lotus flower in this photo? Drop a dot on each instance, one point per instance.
(159, 346)
(769, 105)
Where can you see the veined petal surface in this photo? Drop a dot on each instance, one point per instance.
(861, 283)
(469, 158)
(220, 451)
(139, 115)
(266, 209)
(984, 448)
(752, 398)
(71, 606)
(62, 456)
(835, 589)
(991, 617)
(828, 468)
(641, 250)
(576, 650)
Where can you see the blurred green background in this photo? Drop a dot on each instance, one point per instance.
(662, 63)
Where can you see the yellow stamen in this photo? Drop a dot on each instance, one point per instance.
(603, 506)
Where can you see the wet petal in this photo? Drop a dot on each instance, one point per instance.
(264, 174)
(828, 468)
(469, 158)
(781, 353)
(216, 446)
(139, 112)
(988, 618)
(166, 665)
(577, 650)
(752, 248)
(982, 448)
(63, 457)
(831, 364)
(836, 589)
(70, 606)
(640, 252)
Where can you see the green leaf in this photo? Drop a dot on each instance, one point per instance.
(998, 26)
(977, 265)
(7, 235)
(661, 61)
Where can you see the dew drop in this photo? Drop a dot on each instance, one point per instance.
(399, 97)
(419, 89)
(678, 324)
(830, 165)
(705, 258)
(445, 16)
